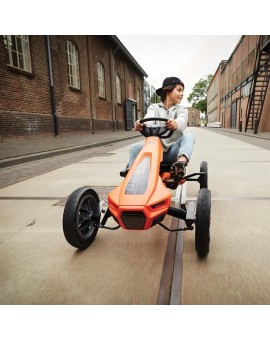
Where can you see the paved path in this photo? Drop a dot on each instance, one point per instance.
(25, 170)
(237, 270)
(39, 267)
(18, 151)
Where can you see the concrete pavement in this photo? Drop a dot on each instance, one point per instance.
(237, 270)
(260, 135)
(18, 151)
(39, 267)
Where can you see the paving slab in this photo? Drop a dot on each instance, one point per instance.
(237, 268)
(38, 266)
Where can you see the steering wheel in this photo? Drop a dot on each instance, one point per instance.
(156, 130)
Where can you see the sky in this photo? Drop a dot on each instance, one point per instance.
(188, 57)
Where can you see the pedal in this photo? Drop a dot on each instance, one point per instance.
(171, 183)
(124, 173)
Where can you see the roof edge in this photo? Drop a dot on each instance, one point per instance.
(127, 54)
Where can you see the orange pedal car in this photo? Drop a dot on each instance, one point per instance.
(142, 200)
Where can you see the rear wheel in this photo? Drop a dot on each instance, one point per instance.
(202, 222)
(204, 177)
(81, 217)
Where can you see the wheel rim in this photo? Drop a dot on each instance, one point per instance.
(86, 219)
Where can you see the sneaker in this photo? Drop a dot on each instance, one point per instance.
(178, 170)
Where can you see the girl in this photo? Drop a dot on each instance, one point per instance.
(178, 148)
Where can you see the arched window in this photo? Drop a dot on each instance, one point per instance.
(18, 51)
(101, 80)
(73, 65)
(130, 90)
(138, 98)
(118, 90)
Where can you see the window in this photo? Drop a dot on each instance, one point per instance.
(118, 90)
(238, 76)
(233, 81)
(18, 51)
(244, 69)
(101, 80)
(73, 65)
(246, 90)
(130, 90)
(251, 62)
(138, 97)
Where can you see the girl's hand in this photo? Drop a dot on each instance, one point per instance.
(138, 126)
(172, 124)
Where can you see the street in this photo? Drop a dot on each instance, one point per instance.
(123, 267)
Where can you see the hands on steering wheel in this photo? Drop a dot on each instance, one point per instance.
(156, 130)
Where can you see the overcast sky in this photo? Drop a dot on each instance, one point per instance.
(188, 57)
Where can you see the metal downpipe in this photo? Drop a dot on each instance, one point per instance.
(55, 118)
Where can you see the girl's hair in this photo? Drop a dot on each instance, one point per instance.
(165, 90)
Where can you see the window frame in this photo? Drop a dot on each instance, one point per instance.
(74, 79)
(19, 56)
(138, 97)
(245, 90)
(101, 80)
(118, 89)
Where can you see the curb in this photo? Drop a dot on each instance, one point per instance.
(244, 134)
(7, 162)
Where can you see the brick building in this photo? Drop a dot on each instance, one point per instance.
(213, 95)
(66, 84)
(194, 118)
(239, 95)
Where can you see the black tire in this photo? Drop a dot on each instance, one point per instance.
(81, 215)
(204, 178)
(202, 222)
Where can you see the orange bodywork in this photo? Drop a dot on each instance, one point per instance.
(141, 200)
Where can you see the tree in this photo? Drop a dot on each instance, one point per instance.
(198, 96)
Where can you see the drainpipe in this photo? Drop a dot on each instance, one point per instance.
(55, 119)
(114, 104)
(115, 99)
(91, 106)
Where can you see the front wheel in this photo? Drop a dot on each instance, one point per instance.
(202, 222)
(81, 217)
(204, 178)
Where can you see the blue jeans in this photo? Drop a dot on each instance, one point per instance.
(182, 147)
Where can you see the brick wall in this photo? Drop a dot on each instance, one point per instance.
(14, 124)
(25, 98)
(120, 71)
(70, 102)
(17, 124)
(24, 92)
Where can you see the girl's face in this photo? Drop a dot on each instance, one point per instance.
(176, 95)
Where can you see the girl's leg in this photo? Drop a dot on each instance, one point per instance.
(181, 149)
(134, 151)
(180, 154)
(186, 146)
